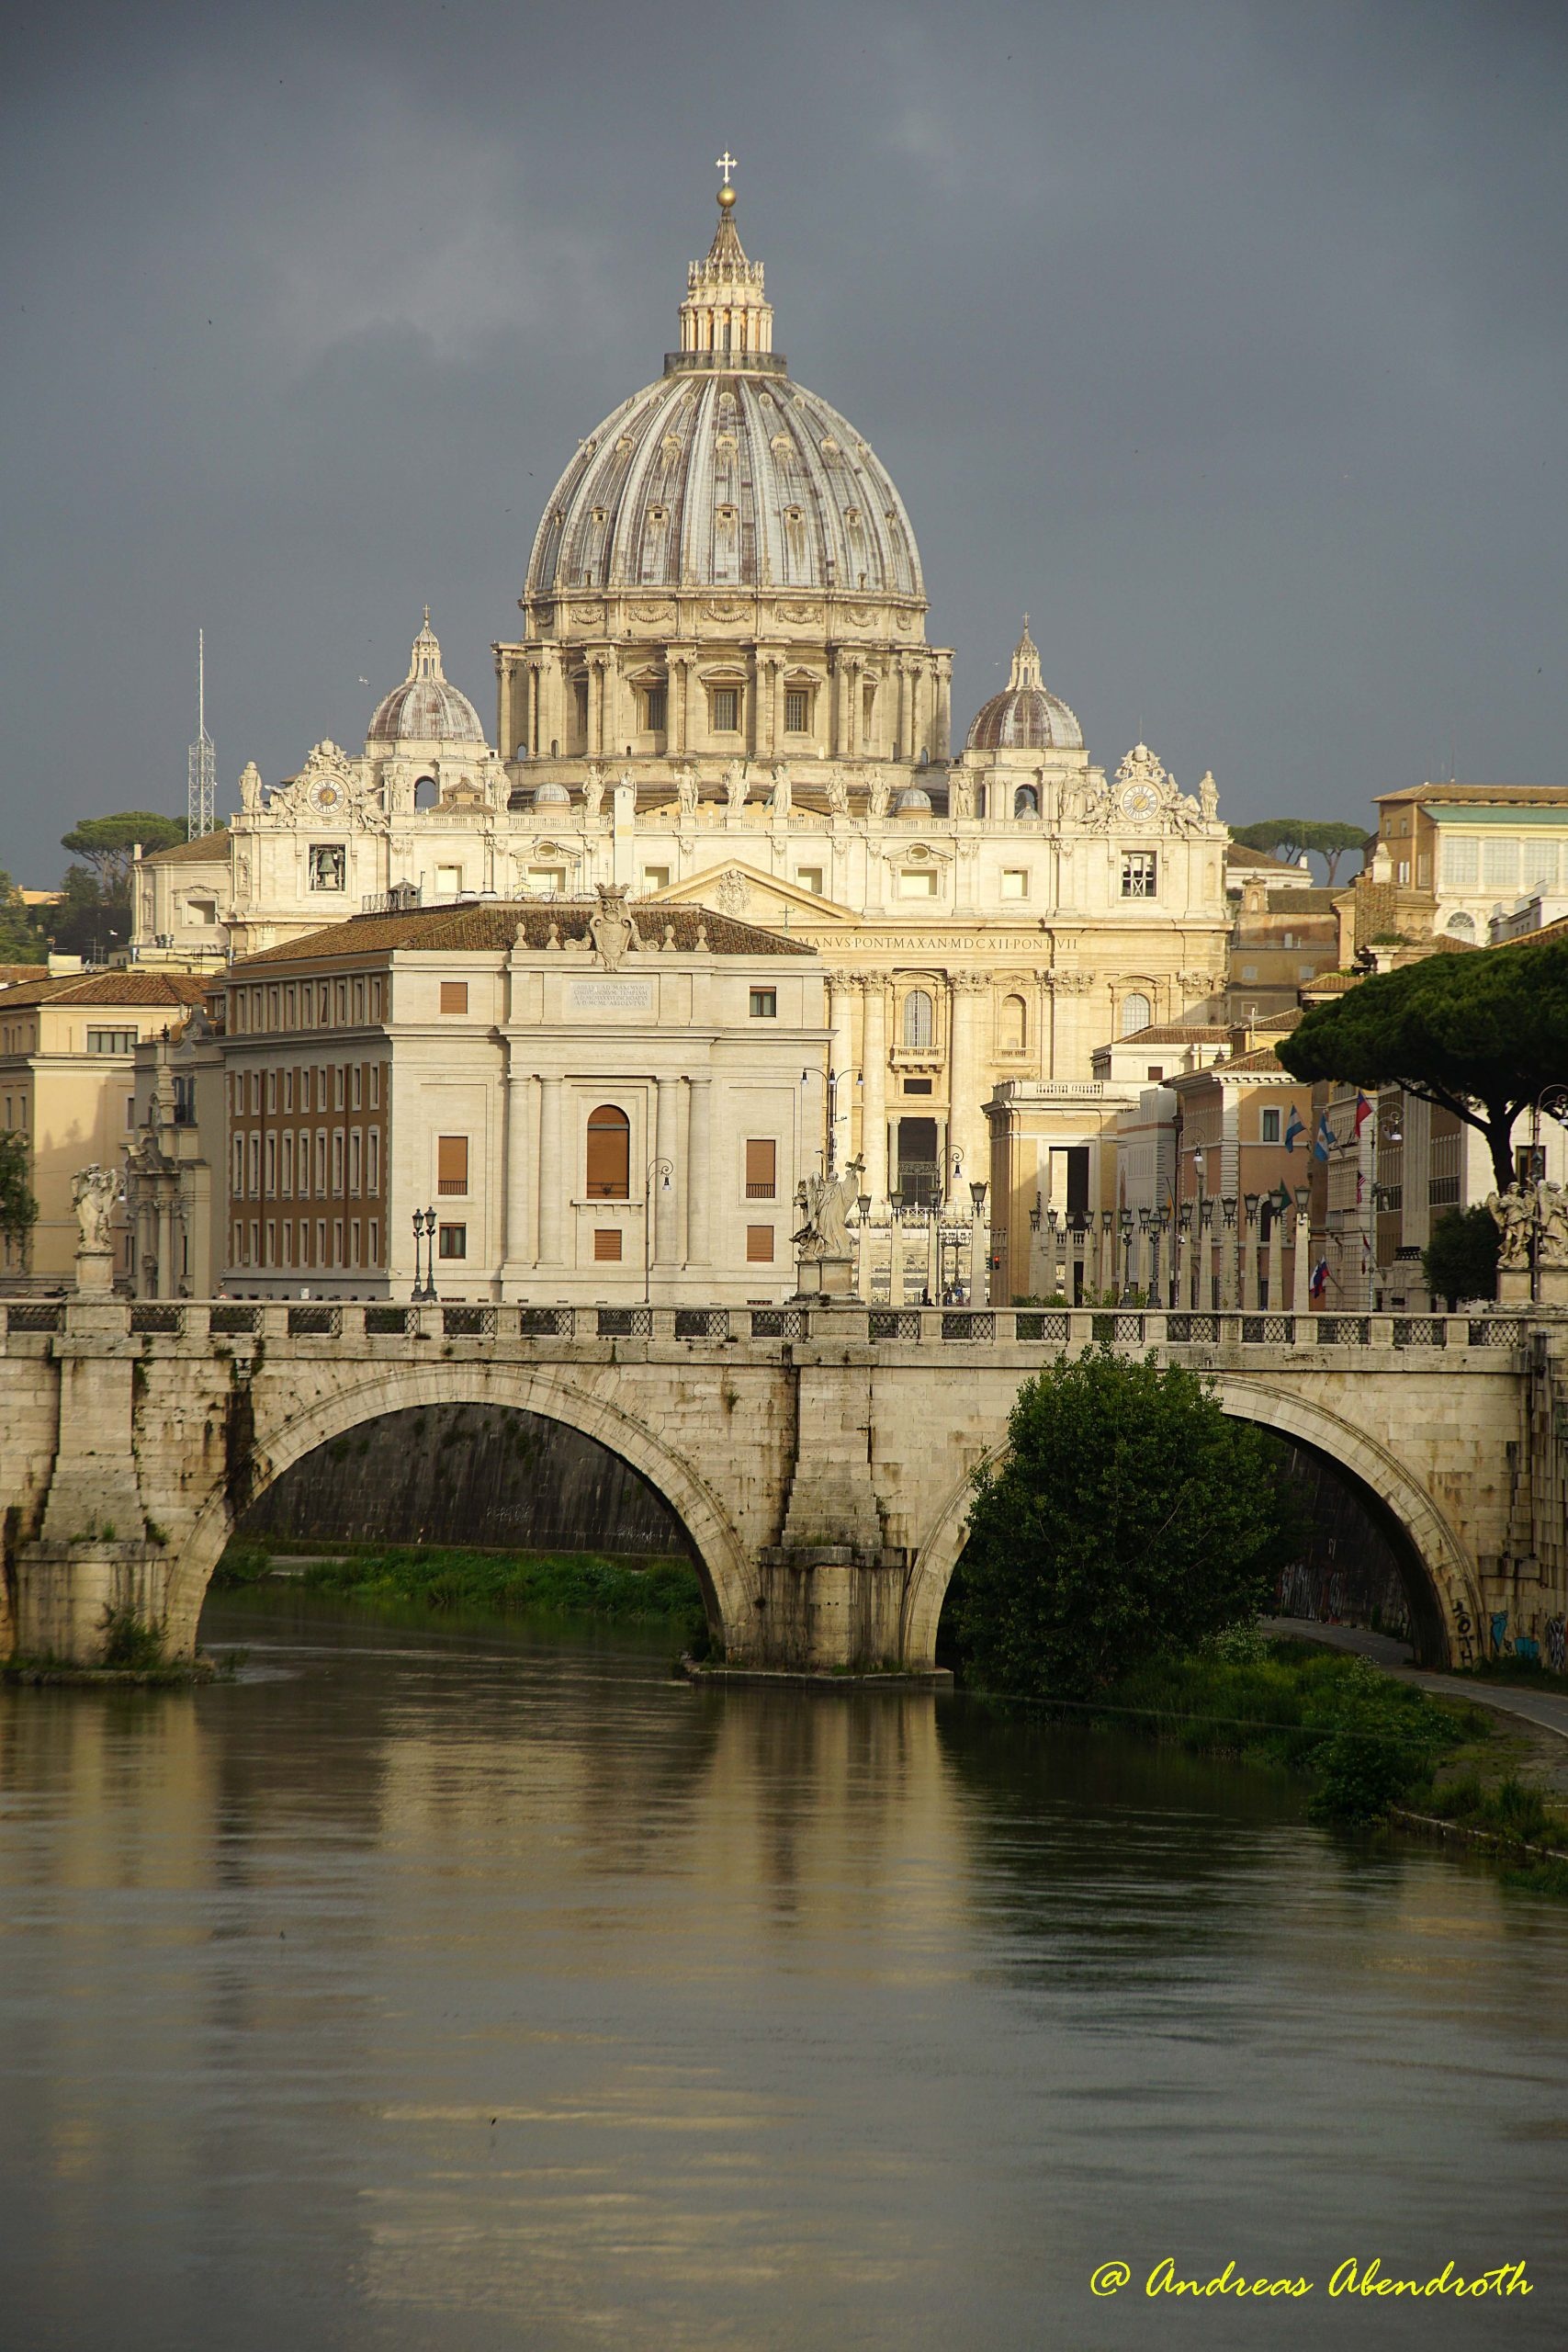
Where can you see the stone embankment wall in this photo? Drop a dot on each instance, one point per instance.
(469, 1474)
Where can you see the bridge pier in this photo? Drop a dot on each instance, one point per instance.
(71, 1596)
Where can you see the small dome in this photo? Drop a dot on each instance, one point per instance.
(551, 796)
(1026, 717)
(913, 801)
(426, 708)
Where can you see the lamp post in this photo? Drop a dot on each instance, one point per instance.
(1301, 1300)
(665, 1171)
(1249, 1260)
(979, 1255)
(1125, 1220)
(424, 1228)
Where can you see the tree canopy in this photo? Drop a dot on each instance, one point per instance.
(19, 943)
(1287, 837)
(104, 843)
(1131, 1518)
(18, 1209)
(1482, 1035)
(1461, 1259)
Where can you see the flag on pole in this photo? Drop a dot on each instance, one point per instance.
(1294, 1125)
(1363, 1112)
(1325, 1140)
(1320, 1278)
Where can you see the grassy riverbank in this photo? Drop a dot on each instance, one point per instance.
(476, 1583)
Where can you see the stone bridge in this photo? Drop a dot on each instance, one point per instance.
(819, 1458)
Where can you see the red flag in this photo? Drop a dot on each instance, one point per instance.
(1363, 1112)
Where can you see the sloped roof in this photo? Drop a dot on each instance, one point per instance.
(119, 987)
(495, 926)
(207, 849)
(1523, 795)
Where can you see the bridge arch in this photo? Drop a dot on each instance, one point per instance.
(1446, 1633)
(717, 1552)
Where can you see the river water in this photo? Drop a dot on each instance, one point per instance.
(435, 1988)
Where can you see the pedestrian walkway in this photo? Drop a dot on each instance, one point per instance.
(1546, 1709)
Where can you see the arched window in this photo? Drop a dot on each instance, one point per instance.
(609, 1154)
(1461, 925)
(1026, 801)
(1135, 1014)
(1012, 1027)
(917, 1022)
(425, 795)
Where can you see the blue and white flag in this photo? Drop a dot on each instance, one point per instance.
(1325, 1138)
(1294, 1125)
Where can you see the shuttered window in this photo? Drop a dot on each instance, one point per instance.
(758, 1244)
(609, 1154)
(454, 996)
(762, 1155)
(452, 1163)
(607, 1245)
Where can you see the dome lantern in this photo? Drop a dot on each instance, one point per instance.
(1026, 717)
(426, 708)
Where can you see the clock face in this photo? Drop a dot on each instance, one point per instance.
(1139, 800)
(325, 797)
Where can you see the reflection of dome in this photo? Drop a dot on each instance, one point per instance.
(1026, 717)
(913, 801)
(551, 796)
(724, 473)
(426, 708)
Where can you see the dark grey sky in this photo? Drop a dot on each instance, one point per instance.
(1228, 339)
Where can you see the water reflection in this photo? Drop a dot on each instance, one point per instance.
(432, 1987)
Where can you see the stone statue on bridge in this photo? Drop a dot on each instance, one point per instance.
(1512, 1214)
(95, 1192)
(822, 1239)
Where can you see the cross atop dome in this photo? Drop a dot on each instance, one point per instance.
(725, 309)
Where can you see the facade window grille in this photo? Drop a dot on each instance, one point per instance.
(797, 709)
(655, 705)
(727, 710)
(1140, 874)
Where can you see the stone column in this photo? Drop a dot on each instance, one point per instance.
(516, 1203)
(666, 1147)
(168, 1286)
(944, 746)
(964, 1082)
(840, 1056)
(874, 1070)
(1233, 1243)
(1275, 1262)
(1249, 1260)
(699, 1146)
(1300, 1286)
(552, 1177)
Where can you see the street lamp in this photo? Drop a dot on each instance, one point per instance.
(424, 1231)
(665, 1171)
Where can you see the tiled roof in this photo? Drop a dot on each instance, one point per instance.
(208, 849)
(1244, 860)
(1524, 795)
(1331, 984)
(111, 988)
(1262, 1058)
(495, 924)
(10, 973)
(1179, 1033)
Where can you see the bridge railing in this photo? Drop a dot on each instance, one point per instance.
(389, 1327)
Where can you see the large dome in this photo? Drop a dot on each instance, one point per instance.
(427, 708)
(725, 473)
(1026, 717)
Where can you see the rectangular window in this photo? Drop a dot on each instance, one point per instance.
(917, 882)
(1140, 874)
(356, 1087)
(272, 1090)
(1404, 873)
(359, 1003)
(1540, 870)
(253, 1166)
(1270, 1131)
(653, 710)
(375, 1257)
(761, 1168)
(338, 1069)
(337, 1162)
(655, 877)
(237, 1183)
(454, 996)
(271, 1163)
(287, 1186)
(354, 1241)
(448, 881)
(797, 710)
(271, 1258)
(252, 1252)
(726, 710)
(374, 1086)
(288, 1238)
(1500, 865)
(321, 1160)
(546, 881)
(758, 1244)
(374, 1000)
(355, 1159)
(289, 1090)
(1156, 1071)
(452, 1240)
(373, 1163)
(607, 1245)
(320, 1242)
(764, 1004)
(452, 1164)
(810, 877)
(111, 1041)
(337, 1241)
(304, 1161)
(1015, 882)
(256, 1093)
(1460, 861)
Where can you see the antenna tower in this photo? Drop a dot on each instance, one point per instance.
(201, 765)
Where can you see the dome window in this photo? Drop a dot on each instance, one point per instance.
(1026, 801)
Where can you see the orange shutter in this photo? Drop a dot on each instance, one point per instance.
(452, 1163)
(454, 996)
(758, 1244)
(607, 1245)
(760, 1168)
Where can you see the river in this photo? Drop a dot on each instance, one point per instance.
(438, 1986)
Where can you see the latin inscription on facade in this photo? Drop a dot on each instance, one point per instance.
(609, 996)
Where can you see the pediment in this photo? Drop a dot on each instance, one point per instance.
(742, 891)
